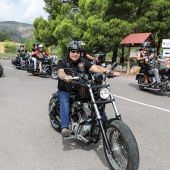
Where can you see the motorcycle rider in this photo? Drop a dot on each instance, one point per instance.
(33, 53)
(75, 61)
(41, 54)
(84, 54)
(153, 70)
(141, 56)
(22, 52)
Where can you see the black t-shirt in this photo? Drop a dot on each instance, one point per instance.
(34, 50)
(22, 52)
(66, 63)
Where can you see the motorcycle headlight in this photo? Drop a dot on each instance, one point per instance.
(104, 93)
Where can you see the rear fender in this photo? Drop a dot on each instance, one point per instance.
(139, 75)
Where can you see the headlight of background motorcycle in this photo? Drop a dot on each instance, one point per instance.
(104, 93)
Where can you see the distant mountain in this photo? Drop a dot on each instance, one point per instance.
(17, 31)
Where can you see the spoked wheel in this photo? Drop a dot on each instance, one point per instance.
(1, 70)
(125, 154)
(54, 108)
(54, 73)
(140, 81)
(168, 86)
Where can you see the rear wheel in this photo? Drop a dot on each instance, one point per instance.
(141, 81)
(54, 109)
(1, 70)
(125, 154)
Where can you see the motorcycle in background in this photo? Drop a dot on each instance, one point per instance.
(47, 66)
(164, 73)
(54, 73)
(87, 112)
(1, 70)
(100, 58)
(21, 59)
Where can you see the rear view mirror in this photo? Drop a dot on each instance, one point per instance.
(113, 66)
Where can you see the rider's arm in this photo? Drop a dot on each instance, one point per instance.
(18, 52)
(100, 69)
(89, 57)
(63, 76)
(61, 73)
(139, 57)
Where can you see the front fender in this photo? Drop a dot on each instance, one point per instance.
(55, 94)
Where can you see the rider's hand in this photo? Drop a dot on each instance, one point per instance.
(117, 74)
(68, 79)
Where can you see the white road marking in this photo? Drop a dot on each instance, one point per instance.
(155, 107)
(9, 68)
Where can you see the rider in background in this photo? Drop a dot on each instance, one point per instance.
(141, 56)
(152, 68)
(33, 53)
(22, 52)
(41, 54)
(84, 54)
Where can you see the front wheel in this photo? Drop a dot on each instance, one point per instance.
(54, 109)
(125, 153)
(1, 70)
(54, 73)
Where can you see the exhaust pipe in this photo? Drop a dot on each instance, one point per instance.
(147, 88)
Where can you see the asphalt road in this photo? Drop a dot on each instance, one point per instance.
(28, 142)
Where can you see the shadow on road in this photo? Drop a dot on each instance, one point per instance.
(97, 148)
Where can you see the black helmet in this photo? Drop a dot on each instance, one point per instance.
(74, 45)
(35, 44)
(151, 50)
(101, 55)
(145, 45)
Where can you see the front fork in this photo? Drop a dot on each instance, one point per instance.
(99, 118)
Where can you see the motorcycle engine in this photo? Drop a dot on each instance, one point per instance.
(81, 118)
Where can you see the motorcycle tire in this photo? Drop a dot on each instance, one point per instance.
(54, 73)
(53, 110)
(125, 155)
(140, 81)
(1, 70)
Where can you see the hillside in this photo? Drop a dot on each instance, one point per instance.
(18, 31)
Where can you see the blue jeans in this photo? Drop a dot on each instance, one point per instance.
(64, 98)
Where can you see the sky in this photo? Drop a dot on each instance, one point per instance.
(25, 11)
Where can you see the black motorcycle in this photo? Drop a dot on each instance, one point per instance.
(100, 58)
(16, 61)
(1, 70)
(164, 74)
(87, 113)
(48, 64)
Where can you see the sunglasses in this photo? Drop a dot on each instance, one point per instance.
(75, 51)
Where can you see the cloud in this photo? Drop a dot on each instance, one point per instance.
(22, 10)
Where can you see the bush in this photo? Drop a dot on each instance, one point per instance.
(9, 47)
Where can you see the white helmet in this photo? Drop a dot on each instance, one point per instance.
(40, 46)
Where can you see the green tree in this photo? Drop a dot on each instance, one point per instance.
(4, 36)
(102, 24)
